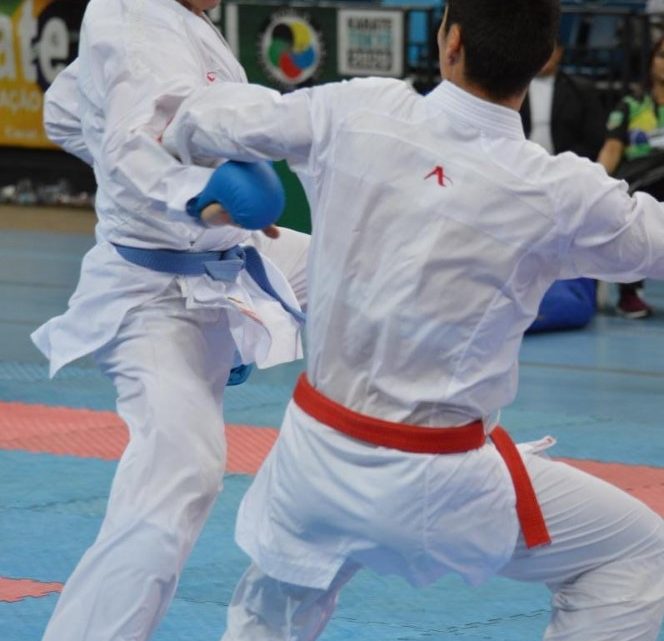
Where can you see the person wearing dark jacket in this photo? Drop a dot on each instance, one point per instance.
(564, 113)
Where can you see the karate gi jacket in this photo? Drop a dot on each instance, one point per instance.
(138, 59)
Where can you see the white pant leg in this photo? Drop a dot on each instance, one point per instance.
(169, 366)
(605, 565)
(289, 254)
(263, 608)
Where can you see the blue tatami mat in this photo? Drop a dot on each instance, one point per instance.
(47, 519)
(598, 391)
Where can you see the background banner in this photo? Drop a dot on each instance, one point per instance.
(283, 47)
(38, 38)
(370, 42)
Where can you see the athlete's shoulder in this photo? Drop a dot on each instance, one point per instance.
(378, 85)
(378, 82)
(368, 93)
(560, 174)
(367, 86)
(141, 15)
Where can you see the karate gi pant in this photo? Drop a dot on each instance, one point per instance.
(169, 365)
(605, 569)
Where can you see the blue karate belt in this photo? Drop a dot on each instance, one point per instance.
(223, 265)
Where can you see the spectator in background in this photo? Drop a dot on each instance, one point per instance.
(634, 151)
(564, 113)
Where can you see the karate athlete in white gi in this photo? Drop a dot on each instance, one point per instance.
(167, 340)
(437, 229)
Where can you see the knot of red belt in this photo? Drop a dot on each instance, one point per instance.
(430, 440)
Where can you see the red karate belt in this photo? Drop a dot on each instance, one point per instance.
(428, 440)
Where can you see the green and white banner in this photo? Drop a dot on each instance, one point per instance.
(370, 42)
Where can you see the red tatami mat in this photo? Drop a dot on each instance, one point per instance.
(94, 434)
(12, 590)
(643, 482)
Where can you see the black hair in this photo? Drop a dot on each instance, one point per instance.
(506, 42)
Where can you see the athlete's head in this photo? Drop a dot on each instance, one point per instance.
(497, 45)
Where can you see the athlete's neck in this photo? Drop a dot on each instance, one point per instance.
(511, 102)
(453, 69)
(191, 8)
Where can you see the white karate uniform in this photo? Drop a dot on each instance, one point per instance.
(437, 229)
(167, 342)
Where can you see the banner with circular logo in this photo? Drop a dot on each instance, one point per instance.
(291, 49)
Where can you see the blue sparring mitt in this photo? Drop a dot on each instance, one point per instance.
(251, 193)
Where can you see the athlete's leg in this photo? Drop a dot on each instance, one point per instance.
(605, 565)
(169, 366)
(264, 608)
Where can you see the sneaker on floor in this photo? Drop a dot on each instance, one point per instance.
(631, 305)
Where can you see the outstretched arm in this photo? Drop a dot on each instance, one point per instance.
(242, 122)
(617, 236)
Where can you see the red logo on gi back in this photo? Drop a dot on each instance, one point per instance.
(211, 76)
(439, 173)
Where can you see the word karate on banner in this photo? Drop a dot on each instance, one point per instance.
(38, 38)
(370, 42)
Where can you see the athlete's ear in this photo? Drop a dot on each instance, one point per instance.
(453, 45)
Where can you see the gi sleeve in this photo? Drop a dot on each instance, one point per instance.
(251, 122)
(618, 236)
(140, 77)
(62, 121)
(242, 122)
